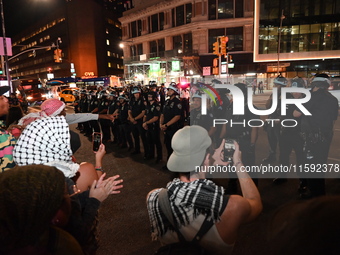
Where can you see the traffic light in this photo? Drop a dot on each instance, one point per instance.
(224, 41)
(216, 47)
(215, 70)
(215, 62)
(57, 55)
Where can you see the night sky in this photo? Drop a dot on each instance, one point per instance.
(19, 14)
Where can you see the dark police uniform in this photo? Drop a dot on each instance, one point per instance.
(94, 102)
(290, 138)
(317, 133)
(153, 132)
(113, 106)
(197, 118)
(103, 106)
(171, 109)
(136, 108)
(84, 108)
(124, 126)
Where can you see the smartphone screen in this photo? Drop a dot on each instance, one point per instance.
(229, 149)
(96, 141)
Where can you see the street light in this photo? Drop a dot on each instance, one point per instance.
(279, 42)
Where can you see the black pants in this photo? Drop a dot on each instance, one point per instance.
(273, 134)
(115, 130)
(288, 142)
(105, 126)
(319, 150)
(94, 125)
(125, 132)
(153, 139)
(168, 134)
(139, 131)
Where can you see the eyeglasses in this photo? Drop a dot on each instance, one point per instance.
(73, 190)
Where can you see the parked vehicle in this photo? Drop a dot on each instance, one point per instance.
(67, 95)
(35, 95)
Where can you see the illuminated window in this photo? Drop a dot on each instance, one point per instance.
(107, 42)
(108, 53)
(109, 64)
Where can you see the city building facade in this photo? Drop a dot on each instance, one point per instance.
(297, 38)
(87, 35)
(173, 40)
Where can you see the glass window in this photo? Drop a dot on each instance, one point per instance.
(140, 49)
(213, 34)
(107, 42)
(179, 15)
(134, 29)
(212, 9)
(177, 42)
(153, 47)
(173, 17)
(109, 64)
(161, 21)
(139, 25)
(187, 43)
(154, 23)
(188, 10)
(235, 42)
(239, 9)
(225, 9)
(108, 53)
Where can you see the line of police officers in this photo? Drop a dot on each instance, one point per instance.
(310, 138)
(140, 115)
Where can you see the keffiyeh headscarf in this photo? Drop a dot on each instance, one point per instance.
(49, 108)
(187, 200)
(46, 141)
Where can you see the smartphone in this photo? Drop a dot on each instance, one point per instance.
(229, 149)
(96, 140)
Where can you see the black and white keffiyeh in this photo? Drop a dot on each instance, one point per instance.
(187, 200)
(46, 141)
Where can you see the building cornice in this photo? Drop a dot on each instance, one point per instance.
(150, 9)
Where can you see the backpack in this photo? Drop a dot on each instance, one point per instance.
(183, 247)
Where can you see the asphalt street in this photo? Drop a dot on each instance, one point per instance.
(123, 219)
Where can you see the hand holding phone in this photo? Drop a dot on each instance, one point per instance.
(96, 140)
(229, 149)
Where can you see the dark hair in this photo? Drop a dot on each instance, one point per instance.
(15, 113)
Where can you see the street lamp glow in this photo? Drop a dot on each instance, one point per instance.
(121, 45)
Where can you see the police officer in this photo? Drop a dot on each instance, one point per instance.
(196, 116)
(93, 108)
(317, 133)
(113, 106)
(238, 129)
(290, 138)
(170, 117)
(84, 108)
(151, 125)
(103, 107)
(273, 130)
(76, 108)
(124, 125)
(136, 114)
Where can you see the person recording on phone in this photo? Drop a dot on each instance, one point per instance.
(238, 129)
(194, 199)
